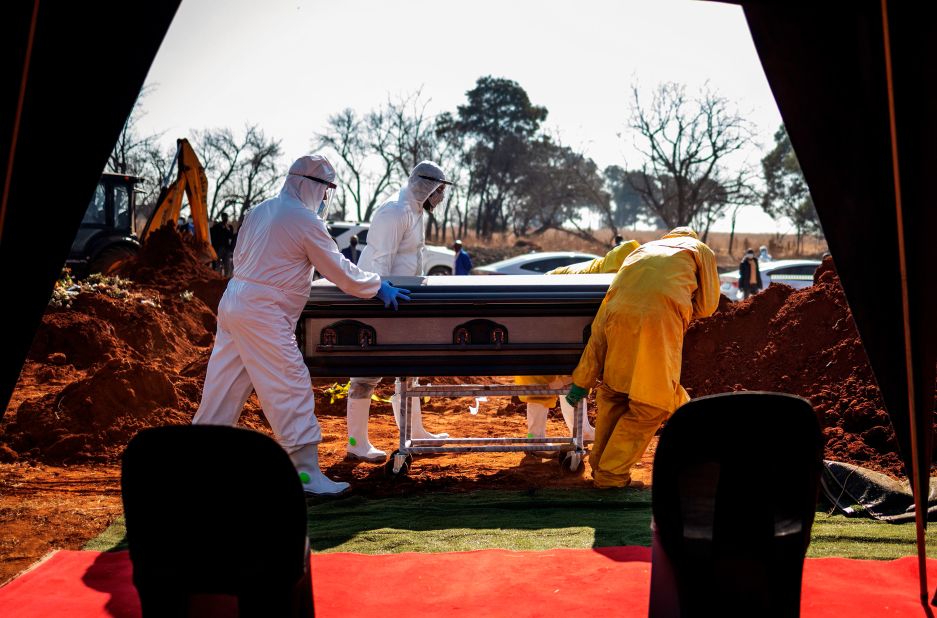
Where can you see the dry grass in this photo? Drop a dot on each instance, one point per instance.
(501, 246)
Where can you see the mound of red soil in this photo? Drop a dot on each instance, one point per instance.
(172, 261)
(96, 328)
(90, 418)
(105, 367)
(802, 342)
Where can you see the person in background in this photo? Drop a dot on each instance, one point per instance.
(351, 252)
(749, 274)
(618, 240)
(222, 241)
(636, 348)
(463, 262)
(538, 406)
(180, 225)
(763, 255)
(281, 241)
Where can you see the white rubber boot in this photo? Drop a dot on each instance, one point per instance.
(306, 460)
(537, 426)
(588, 431)
(536, 420)
(359, 445)
(417, 432)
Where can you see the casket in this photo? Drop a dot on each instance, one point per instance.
(453, 326)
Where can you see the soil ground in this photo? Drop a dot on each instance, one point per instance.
(44, 507)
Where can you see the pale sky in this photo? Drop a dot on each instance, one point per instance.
(289, 64)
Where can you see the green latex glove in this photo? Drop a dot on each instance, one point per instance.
(575, 395)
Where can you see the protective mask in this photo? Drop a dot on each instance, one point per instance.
(435, 199)
(322, 210)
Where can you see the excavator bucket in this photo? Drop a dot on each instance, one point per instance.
(192, 183)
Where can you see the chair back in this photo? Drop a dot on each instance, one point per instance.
(735, 485)
(215, 510)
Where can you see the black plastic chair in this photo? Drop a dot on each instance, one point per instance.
(735, 488)
(216, 523)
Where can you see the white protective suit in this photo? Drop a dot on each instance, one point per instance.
(278, 245)
(395, 247)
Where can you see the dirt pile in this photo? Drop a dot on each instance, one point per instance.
(113, 356)
(802, 342)
(171, 261)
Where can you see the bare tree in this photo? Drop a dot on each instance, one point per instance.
(243, 169)
(557, 186)
(365, 161)
(259, 177)
(413, 131)
(222, 156)
(130, 152)
(686, 143)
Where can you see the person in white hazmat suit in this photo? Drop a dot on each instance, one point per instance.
(395, 247)
(279, 244)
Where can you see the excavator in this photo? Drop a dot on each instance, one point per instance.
(107, 234)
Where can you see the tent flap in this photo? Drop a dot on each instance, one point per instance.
(826, 66)
(87, 64)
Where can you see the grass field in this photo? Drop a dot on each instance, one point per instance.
(536, 520)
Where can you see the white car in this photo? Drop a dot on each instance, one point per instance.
(436, 260)
(795, 273)
(533, 263)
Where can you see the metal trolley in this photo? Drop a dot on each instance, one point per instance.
(571, 448)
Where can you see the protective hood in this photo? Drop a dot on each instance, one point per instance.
(681, 231)
(425, 178)
(309, 192)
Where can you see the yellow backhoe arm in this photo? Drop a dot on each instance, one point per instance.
(192, 182)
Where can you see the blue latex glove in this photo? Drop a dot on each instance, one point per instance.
(575, 395)
(389, 294)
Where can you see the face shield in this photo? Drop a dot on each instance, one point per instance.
(438, 195)
(322, 210)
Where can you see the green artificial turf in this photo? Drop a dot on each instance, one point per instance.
(535, 520)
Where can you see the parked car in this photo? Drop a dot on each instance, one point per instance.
(436, 260)
(795, 273)
(533, 263)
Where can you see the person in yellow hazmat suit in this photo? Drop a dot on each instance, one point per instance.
(636, 348)
(538, 406)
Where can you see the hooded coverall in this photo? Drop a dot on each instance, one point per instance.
(279, 243)
(609, 263)
(396, 240)
(636, 347)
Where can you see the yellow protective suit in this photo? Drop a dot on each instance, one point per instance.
(609, 263)
(636, 346)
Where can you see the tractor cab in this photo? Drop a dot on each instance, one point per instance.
(107, 232)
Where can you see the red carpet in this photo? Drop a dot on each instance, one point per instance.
(484, 583)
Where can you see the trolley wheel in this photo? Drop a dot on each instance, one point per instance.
(404, 466)
(572, 462)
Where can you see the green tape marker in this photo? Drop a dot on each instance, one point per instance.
(352, 441)
(530, 435)
(304, 477)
